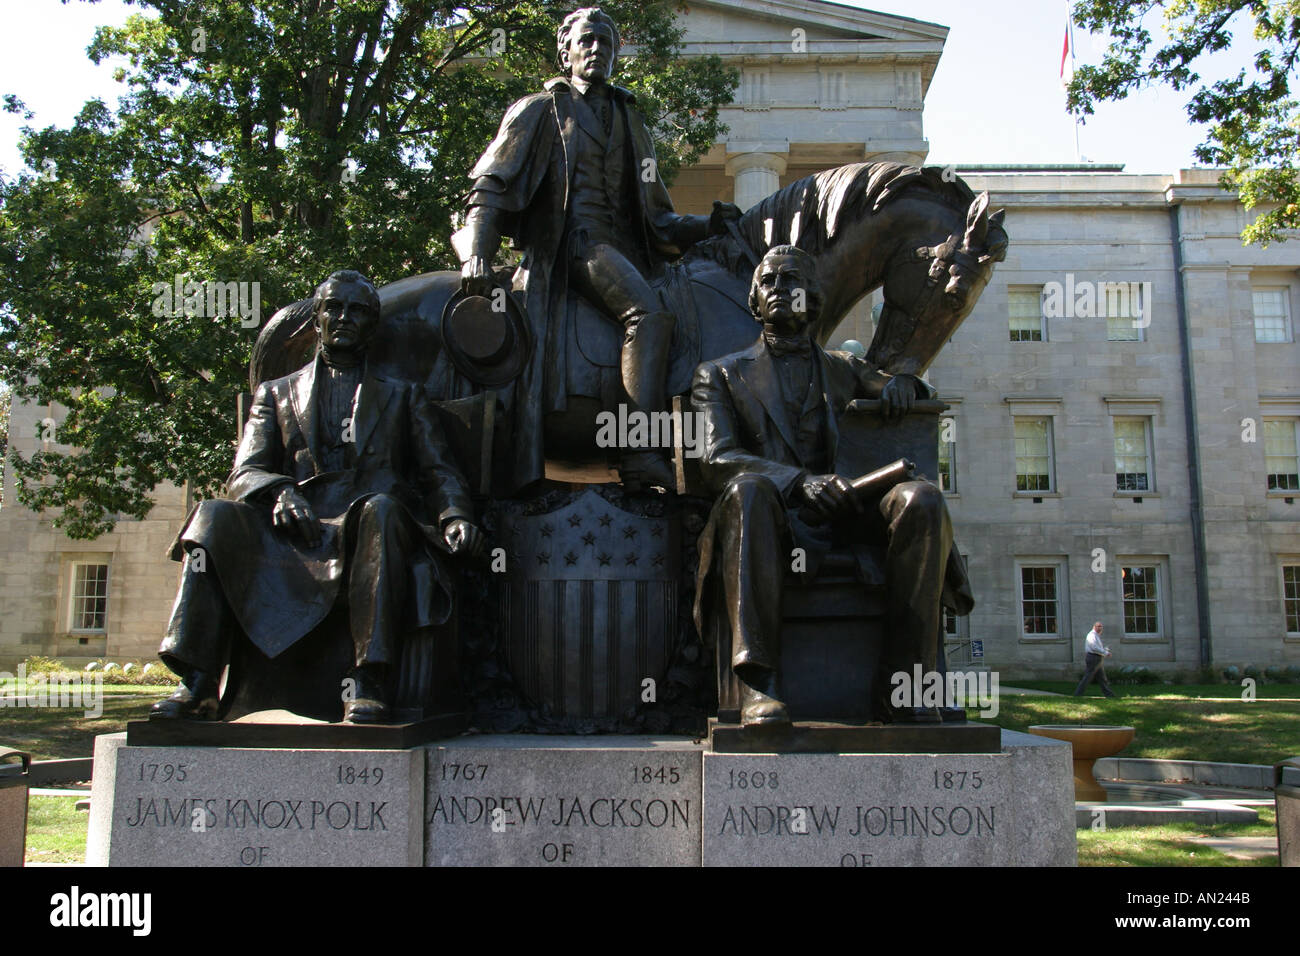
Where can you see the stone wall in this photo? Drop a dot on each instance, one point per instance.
(36, 573)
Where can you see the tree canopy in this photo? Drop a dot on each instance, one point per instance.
(266, 142)
(1253, 120)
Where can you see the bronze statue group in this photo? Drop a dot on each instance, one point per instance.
(345, 492)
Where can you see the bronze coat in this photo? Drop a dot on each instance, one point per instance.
(277, 588)
(527, 173)
(746, 431)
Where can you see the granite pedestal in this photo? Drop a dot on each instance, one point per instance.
(580, 801)
(1013, 808)
(563, 801)
(224, 806)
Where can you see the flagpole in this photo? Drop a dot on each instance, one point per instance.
(1069, 26)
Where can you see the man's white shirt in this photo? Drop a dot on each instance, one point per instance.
(1093, 644)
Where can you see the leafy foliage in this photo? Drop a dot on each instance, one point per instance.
(272, 142)
(6, 402)
(1253, 119)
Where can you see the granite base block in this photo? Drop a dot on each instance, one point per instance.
(223, 806)
(1013, 808)
(563, 801)
(579, 801)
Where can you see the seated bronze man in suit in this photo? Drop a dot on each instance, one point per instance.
(343, 487)
(770, 427)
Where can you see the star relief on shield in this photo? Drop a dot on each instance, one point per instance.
(589, 538)
(602, 595)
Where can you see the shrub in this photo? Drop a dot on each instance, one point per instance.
(44, 665)
(1137, 674)
(136, 673)
(141, 674)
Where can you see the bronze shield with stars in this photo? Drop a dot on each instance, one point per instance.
(592, 606)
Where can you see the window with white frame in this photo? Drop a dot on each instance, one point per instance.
(88, 597)
(1133, 454)
(947, 454)
(1272, 315)
(1282, 454)
(1291, 597)
(1034, 467)
(1140, 586)
(1040, 600)
(1125, 305)
(1025, 308)
(957, 646)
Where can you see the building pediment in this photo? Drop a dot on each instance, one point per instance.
(757, 21)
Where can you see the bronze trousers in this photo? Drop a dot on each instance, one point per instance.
(615, 286)
(757, 533)
(383, 541)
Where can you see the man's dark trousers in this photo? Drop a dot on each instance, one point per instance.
(1095, 664)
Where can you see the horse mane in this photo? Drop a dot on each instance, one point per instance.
(809, 212)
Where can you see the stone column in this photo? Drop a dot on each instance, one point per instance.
(757, 176)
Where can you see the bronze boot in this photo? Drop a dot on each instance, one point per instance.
(365, 703)
(760, 704)
(647, 341)
(195, 699)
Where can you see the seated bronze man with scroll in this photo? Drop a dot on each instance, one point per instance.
(344, 491)
(770, 417)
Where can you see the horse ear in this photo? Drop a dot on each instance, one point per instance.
(996, 250)
(977, 222)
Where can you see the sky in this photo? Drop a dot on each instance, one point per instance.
(996, 97)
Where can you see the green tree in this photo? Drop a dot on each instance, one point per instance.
(1253, 120)
(6, 403)
(270, 141)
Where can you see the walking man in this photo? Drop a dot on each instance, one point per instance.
(1095, 654)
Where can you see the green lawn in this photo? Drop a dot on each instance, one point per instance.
(53, 733)
(22, 688)
(1169, 845)
(1217, 691)
(1173, 722)
(56, 830)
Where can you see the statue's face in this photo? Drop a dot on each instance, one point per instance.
(347, 316)
(590, 52)
(783, 300)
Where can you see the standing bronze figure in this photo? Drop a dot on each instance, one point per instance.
(573, 178)
(770, 425)
(343, 488)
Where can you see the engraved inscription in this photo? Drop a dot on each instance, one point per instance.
(567, 806)
(854, 810)
(252, 808)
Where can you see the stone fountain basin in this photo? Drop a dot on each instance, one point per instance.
(1090, 741)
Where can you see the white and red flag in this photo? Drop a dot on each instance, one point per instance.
(1067, 57)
